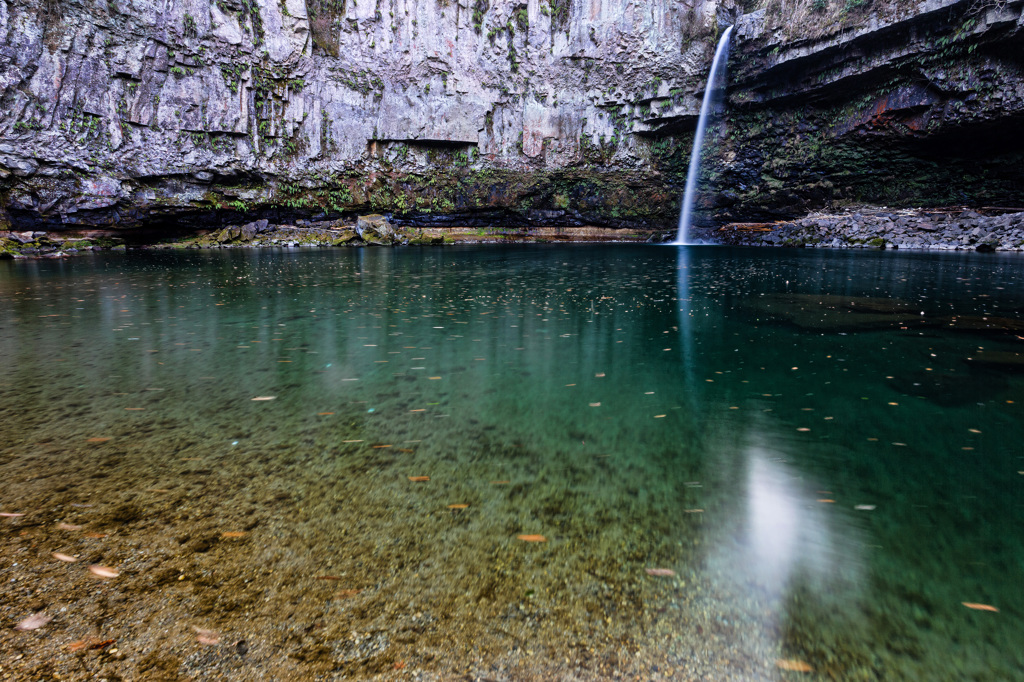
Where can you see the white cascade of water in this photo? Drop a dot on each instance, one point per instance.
(716, 74)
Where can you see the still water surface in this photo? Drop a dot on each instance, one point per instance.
(742, 463)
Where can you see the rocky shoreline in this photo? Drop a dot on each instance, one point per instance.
(371, 230)
(942, 229)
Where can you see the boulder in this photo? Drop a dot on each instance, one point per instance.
(375, 229)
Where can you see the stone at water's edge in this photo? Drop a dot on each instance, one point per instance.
(881, 228)
(375, 229)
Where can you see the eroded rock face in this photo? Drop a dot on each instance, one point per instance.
(121, 113)
(115, 111)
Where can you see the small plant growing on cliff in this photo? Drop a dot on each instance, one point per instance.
(190, 28)
(480, 8)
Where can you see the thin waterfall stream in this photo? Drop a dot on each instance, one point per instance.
(717, 73)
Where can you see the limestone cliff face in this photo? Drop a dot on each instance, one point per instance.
(124, 112)
(115, 110)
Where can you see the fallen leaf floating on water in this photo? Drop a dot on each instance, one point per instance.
(10, 515)
(233, 534)
(865, 507)
(33, 622)
(827, 500)
(532, 538)
(103, 571)
(794, 665)
(68, 526)
(64, 557)
(663, 572)
(979, 607)
(419, 479)
(264, 397)
(458, 506)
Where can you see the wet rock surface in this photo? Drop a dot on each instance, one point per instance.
(881, 228)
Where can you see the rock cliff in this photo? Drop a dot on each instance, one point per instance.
(121, 113)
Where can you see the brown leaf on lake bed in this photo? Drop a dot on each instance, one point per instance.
(979, 607)
(33, 622)
(10, 515)
(532, 538)
(663, 572)
(233, 534)
(458, 506)
(64, 557)
(104, 571)
(92, 643)
(207, 637)
(419, 479)
(328, 577)
(345, 594)
(500, 482)
(794, 665)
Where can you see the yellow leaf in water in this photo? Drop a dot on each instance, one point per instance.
(264, 397)
(419, 479)
(980, 607)
(532, 538)
(104, 571)
(64, 557)
(458, 506)
(233, 534)
(794, 665)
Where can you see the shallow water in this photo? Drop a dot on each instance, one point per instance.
(824, 448)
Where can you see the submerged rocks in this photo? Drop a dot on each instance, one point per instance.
(915, 229)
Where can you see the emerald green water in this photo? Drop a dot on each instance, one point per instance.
(824, 447)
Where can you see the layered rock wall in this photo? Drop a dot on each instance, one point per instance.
(121, 113)
(120, 110)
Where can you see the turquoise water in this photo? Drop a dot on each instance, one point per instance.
(821, 450)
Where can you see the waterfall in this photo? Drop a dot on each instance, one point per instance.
(717, 73)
